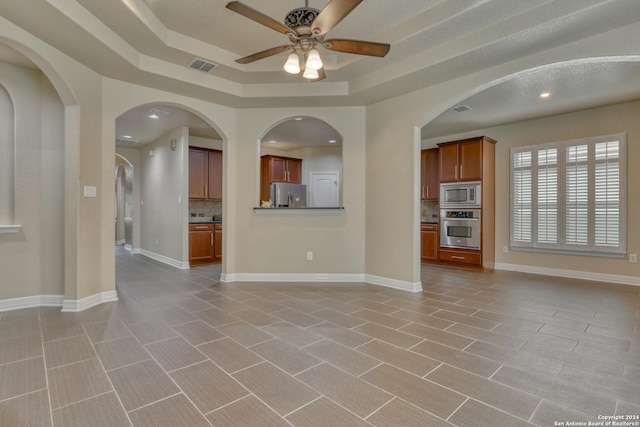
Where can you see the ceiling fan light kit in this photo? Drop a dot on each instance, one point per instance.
(313, 59)
(306, 28)
(292, 66)
(311, 74)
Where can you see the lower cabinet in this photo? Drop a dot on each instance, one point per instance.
(205, 243)
(461, 256)
(429, 242)
(217, 243)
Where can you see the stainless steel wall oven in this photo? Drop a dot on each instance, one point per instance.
(460, 228)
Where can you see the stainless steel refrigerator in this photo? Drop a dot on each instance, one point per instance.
(286, 195)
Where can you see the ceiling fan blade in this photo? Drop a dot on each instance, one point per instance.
(332, 13)
(263, 54)
(258, 17)
(358, 47)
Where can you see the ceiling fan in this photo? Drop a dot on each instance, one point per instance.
(306, 29)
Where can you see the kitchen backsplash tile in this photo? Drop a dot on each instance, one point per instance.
(429, 211)
(207, 208)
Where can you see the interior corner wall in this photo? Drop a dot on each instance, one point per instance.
(31, 261)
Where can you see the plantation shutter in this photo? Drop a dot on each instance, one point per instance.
(570, 196)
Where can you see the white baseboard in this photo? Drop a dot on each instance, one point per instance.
(572, 274)
(135, 250)
(90, 301)
(164, 259)
(290, 277)
(393, 283)
(315, 278)
(32, 301)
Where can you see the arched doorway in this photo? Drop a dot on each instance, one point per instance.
(155, 140)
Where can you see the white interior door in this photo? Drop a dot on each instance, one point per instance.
(325, 190)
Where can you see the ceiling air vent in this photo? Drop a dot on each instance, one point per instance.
(461, 108)
(202, 65)
(126, 141)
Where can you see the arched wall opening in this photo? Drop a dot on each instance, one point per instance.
(574, 113)
(155, 137)
(302, 150)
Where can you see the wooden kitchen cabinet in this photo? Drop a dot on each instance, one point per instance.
(217, 243)
(467, 257)
(205, 174)
(201, 244)
(278, 169)
(429, 175)
(472, 159)
(429, 242)
(205, 243)
(463, 160)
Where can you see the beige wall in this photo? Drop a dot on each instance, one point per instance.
(164, 197)
(582, 124)
(278, 243)
(32, 261)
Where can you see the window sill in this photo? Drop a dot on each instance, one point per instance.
(9, 229)
(567, 252)
(299, 211)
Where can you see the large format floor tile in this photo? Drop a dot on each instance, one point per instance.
(180, 348)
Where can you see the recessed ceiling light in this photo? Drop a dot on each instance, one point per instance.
(545, 94)
(272, 142)
(156, 113)
(332, 141)
(127, 136)
(298, 118)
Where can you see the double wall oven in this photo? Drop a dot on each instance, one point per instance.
(460, 215)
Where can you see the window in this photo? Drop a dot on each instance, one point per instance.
(570, 196)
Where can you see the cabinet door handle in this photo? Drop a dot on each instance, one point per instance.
(206, 191)
(457, 257)
(428, 192)
(211, 239)
(460, 171)
(455, 172)
(199, 227)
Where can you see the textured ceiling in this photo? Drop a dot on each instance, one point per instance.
(150, 42)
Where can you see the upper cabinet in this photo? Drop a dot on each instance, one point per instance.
(205, 174)
(278, 169)
(463, 160)
(429, 176)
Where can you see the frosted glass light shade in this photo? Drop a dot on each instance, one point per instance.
(292, 66)
(310, 74)
(313, 60)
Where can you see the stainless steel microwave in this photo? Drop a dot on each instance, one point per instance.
(460, 194)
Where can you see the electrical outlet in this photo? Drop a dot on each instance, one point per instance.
(633, 258)
(309, 256)
(505, 249)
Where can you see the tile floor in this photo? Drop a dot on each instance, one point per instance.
(180, 348)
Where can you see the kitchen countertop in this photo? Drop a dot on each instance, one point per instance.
(209, 221)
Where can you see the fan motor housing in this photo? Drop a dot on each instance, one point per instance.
(300, 19)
